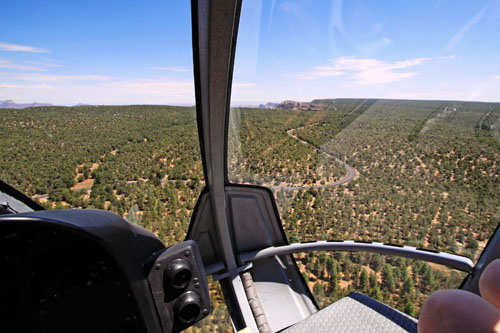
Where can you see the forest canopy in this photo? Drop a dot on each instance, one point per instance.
(426, 174)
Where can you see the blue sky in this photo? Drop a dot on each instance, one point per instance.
(128, 52)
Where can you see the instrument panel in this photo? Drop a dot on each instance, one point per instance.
(55, 280)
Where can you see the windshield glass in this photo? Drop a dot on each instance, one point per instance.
(372, 121)
(9, 204)
(97, 109)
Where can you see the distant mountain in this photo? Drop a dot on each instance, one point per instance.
(9, 104)
(268, 106)
(285, 105)
(254, 105)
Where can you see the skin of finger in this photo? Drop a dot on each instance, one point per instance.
(489, 283)
(458, 311)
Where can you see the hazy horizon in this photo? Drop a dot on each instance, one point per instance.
(126, 53)
(243, 104)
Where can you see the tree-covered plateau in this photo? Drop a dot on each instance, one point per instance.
(426, 175)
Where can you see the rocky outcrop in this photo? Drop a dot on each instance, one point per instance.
(294, 105)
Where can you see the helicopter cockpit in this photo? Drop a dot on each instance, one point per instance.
(341, 209)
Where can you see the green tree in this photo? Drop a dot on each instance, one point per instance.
(363, 283)
(376, 293)
(373, 280)
(409, 308)
(428, 279)
(319, 292)
(376, 262)
(318, 268)
(408, 288)
(388, 278)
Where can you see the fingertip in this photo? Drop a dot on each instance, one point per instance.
(489, 283)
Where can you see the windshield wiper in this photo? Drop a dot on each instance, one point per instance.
(5, 208)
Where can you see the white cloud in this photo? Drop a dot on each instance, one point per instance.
(365, 71)
(458, 93)
(23, 86)
(172, 69)
(152, 86)
(118, 92)
(21, 48)
(44, 64)
(56, 77)
(497, 76)
(318, 72)
(9, 64)
(244, 84)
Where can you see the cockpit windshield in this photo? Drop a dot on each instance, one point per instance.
(369, 121)
(374, 122)
(97, 109)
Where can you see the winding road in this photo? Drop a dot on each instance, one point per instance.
(350, 171)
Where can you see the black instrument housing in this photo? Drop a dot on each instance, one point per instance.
(84, 271)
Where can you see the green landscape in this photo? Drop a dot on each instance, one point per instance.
(426, 175)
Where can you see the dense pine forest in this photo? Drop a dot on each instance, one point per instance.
(426, 174)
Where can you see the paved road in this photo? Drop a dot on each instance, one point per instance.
(163, 181)
(45, 196)
(350, 171)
